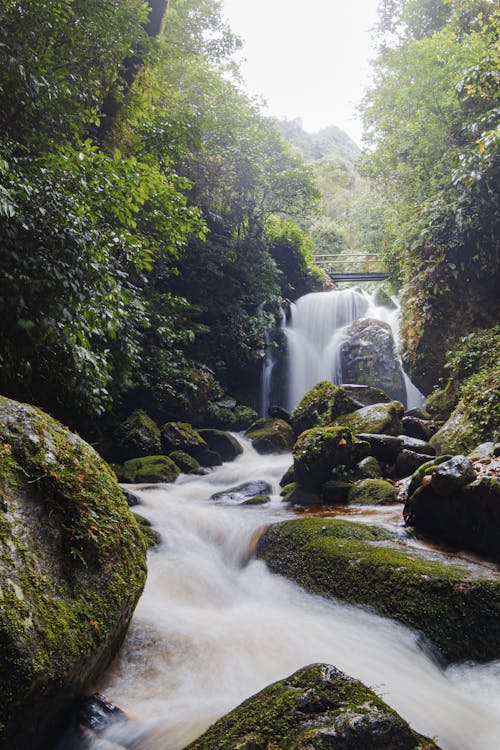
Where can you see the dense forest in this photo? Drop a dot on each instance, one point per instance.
(151, 218)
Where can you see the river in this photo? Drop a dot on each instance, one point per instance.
(215, 626)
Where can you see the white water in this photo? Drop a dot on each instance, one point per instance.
(315, 334)
(214, 627)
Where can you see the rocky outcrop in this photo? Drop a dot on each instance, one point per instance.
(369, 357)
(320, 406)
(318, 451)
(316, 707)
(271, 436)
(72, 562)
(455, 605)
(375, 419)
(136, 437)
(181, 436)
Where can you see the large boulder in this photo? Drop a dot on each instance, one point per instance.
(318, 451)
(373, 492)
(72, 562)
(378, 419)
(461, 432)
(229, 417)
(364, 395)
(369, 357)
(222, 443)
(148, 470)
(136, 437)
(455, 605)
(316, 707)
(271, 436)
(181, 436)
(320, 406)
(243, 492)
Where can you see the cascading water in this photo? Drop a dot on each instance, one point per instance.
(214, 626)
(315, 334)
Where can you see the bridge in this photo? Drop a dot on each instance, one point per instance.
(352, 268)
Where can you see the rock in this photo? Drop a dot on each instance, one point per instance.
(418, 412)
(384, 448)
(288, 476)
(96, 713)
(72, 567)
(222, 443)
(407, 462)
(186, 463)
(224, 418)
(361, 449)
(257, 500)
(485, 449)
(455, 605)
(318, 451)
(295, 494)
(151, 536)
(150, 469)
(368, 468)
(209, 459)
(373, 492)
(242, 492)
(365, 395)
(468, 518)
(316, 707)
(369, 356)
(426, 469)
(278, 412)
(131, 497)
(271, 436)
(378, 419)
(335, 491)
(422, 429)
(451, 475)
(460, 433)
(320, 406)
(181, 436)
(416, 445)
(382, 299)
(138, 436)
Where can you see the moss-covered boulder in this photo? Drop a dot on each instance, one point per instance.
(464, 429)
(316, 707)
(72, 564)
(455, 605)
(186, 463)
(382, 298)
(377, 419)
(320, 405)
(295, 494)
(271, 436)
(288, 476)
(257, 500)
(149, 469)
(222, 443)
(373, 492)
(318, 451)
(181, 436)
(365, 395)
(368, 468)
(136, 437)
(236, 418)
(335, 491)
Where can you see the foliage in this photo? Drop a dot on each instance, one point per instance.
(290, 248)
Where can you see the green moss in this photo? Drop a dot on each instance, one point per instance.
(186, 463)
(271, 436)
(150, 469)
(295, 494)
(455, 607)
(376, 419)
(318, 451)
(257, 500)
(224, 418)
(373, 492)
(320, 406)
(181, 436)
(425, 469)
(137, 436)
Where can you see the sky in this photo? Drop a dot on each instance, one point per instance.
(307, 58)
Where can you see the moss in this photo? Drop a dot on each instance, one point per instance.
(223, 418)
(383, 298)
(186, 463)
(137, 436)
(72, 563)
(451, 604)
(373, 492)
(320, 406)
(288, 476)
(271, 436)
(318, 451)
(375, 419)
(150, 469)
(426, 469)
(305, 710)
(181, 436)
(295, 494)
(257, 500)
(152, 537)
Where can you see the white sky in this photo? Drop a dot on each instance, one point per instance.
(307, 58)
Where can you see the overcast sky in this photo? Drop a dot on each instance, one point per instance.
(307, 58)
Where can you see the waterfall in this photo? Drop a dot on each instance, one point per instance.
(315, 334)
(214, 626)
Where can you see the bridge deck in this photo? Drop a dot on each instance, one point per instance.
(367, 276)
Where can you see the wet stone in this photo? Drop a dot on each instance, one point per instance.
(242, 492)
(417, 446)
(451, 475)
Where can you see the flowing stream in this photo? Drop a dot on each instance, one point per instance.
(214, 626)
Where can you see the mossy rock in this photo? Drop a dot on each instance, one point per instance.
(462, 432)
(73, 565)
(441, 402)
(373, 492)
(455, 605)
(150, 469)
(151, 536)
(295, 494)
(368, 468)
(318, 451)
(382, 299)
(335, 491)
(426, 469)
(186, 463)
(271, 436)
(257, 500)
(181, 436)
(376, 419)
(320, 405)
(237, 418)
(317, 707)
(138, 436)
(288, 476)
(222, 443)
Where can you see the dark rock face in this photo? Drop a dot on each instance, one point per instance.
(186, 463)
(222, 443)
(316, 708)
(242, 492)
(318, 451)
(383, 447)
(408, 461)
(138, 436)
(72, 566)
(369, 357)
(364, 395)
(451, 475)
(422, 429)
(417, 446)
(181, 436)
